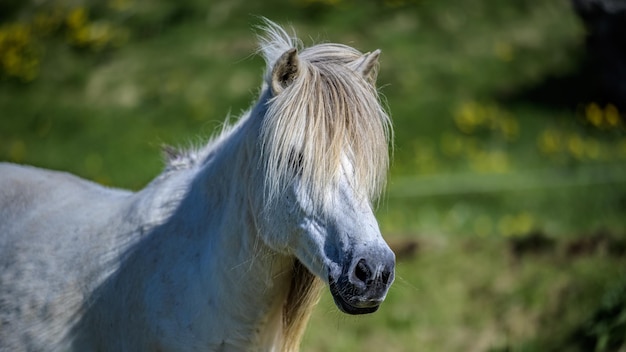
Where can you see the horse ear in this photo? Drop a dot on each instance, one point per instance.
(367, 65)
(285, 70)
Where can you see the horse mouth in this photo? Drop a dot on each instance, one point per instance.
(351, 306)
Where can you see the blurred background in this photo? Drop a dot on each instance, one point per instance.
(506, 201)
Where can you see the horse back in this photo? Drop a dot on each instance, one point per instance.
(40, 201)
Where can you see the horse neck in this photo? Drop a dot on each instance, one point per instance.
(282, 285)
(255, 289)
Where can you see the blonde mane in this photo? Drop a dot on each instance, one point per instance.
(329, 114)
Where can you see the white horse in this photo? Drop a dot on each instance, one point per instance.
(228, 248)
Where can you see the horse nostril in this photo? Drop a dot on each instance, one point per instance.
(362, 271)
(386, 274)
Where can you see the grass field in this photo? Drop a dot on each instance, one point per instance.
(508, 210)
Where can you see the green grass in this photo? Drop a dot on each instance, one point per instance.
(477, 164)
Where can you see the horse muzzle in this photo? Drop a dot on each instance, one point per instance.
(363, 286)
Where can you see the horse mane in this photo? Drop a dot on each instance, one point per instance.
(304, 293)
(329, 112)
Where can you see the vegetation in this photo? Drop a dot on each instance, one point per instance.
(506, 205)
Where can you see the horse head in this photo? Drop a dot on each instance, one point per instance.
(324, 146)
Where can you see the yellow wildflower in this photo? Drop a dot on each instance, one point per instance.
(611, 114)
(576, 146)
(594, 114)
(77, 18)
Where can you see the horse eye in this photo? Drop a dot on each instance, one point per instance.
(296, 161)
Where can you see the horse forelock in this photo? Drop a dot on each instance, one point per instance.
(330, 113)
